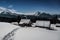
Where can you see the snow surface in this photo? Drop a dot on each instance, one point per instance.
(36, 34)
(5, 28)
(28, 33)
(58, 18)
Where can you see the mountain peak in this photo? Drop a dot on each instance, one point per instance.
(2, 9)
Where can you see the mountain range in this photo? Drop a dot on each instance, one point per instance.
(11, 13)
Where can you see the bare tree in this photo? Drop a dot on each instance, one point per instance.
(18, 19)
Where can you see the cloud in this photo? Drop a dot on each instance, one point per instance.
(10, 6)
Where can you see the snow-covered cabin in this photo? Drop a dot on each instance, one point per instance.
(42, 23)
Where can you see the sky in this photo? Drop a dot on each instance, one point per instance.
(30, 6)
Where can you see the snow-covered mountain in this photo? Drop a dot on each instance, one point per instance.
(37, 13)
(12, 11)
(9, 11)
(5, 10)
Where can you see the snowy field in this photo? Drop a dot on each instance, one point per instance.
(5, 28)
(27, 33)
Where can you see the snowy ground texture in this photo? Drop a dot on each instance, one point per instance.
(12, 32)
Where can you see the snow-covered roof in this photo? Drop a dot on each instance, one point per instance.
(24, 21)
(29, 13)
